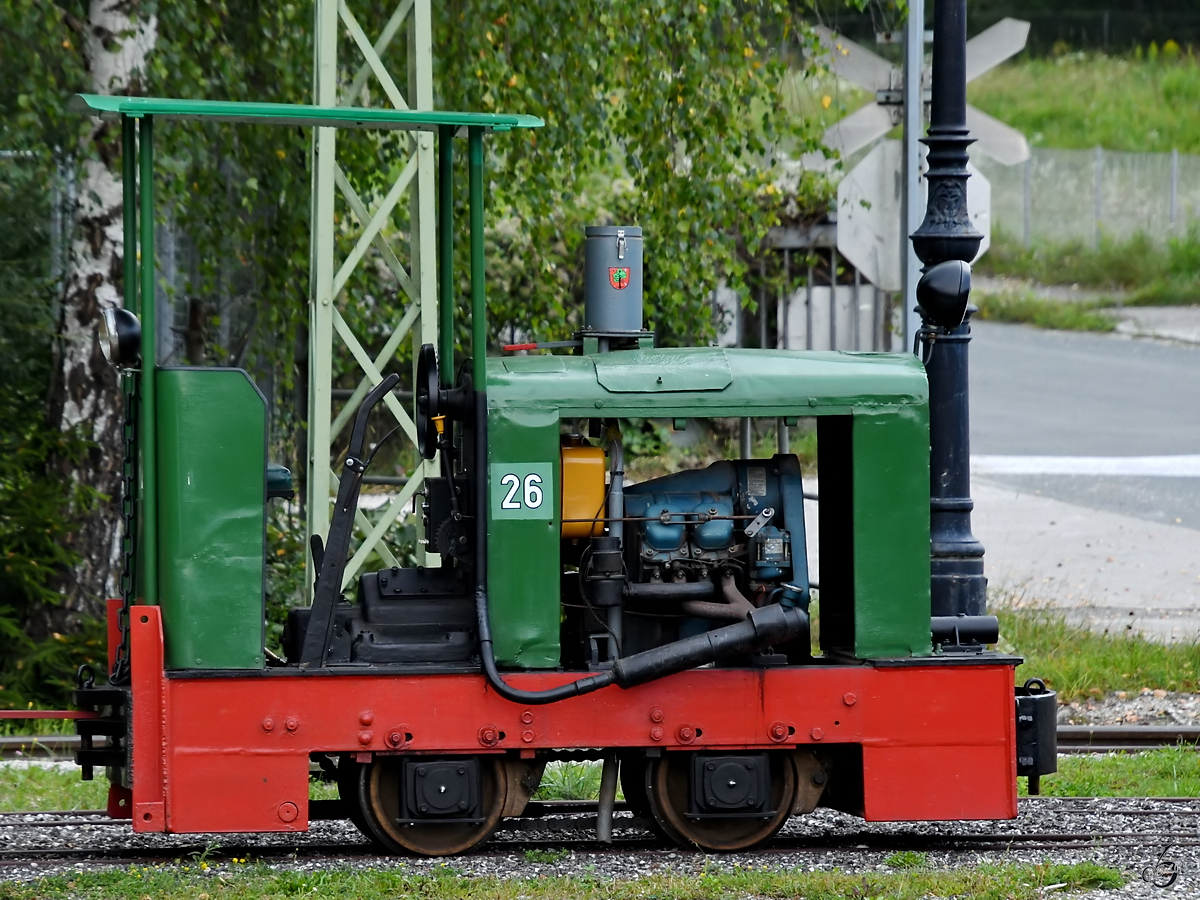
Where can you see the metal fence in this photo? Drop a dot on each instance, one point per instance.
(1082, 195)
(811, 309)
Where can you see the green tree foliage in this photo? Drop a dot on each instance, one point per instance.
(42, 63)
(660, 114)
(33, 517)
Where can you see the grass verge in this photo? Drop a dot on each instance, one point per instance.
(1152, 274)
(40, 727)
(1082, 100)
(1166, 772)
(24, 786)
(570, 781)
(653, 449)
(218, 881)
(1166, 292)
(1077, 662)
(1031, 310)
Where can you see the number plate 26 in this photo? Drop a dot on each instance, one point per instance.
(522, 491)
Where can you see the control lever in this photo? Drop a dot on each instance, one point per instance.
(332, 565)
(760, 522)
(317, 547)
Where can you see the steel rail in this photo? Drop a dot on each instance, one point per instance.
(857, 842)
(37, 746)
(539, 815)
(1114, 738)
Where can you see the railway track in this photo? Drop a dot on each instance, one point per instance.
(571, 824)
(568, 825)
(1071, 739)
(842, 843)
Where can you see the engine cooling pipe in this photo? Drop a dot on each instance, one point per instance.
(772, 624)
(734, 608)
(669, 590)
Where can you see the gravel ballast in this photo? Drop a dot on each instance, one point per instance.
(1144, 821)
(1144, 707)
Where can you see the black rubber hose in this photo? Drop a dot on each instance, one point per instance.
(534, 698)
(774, 624)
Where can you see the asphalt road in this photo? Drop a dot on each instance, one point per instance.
(1058, 393)
(1120, 551)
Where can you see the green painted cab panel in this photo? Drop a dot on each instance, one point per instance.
(523, 536)
(891, 533)
(654, 371)
(761, 383)
(212, 517)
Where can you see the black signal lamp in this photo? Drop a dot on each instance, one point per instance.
(943, 292)
(120, 335)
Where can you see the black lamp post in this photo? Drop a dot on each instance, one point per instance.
(946, 243)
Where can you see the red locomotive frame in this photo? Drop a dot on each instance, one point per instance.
(231, 753)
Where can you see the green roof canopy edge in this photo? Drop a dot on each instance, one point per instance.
(108, 107)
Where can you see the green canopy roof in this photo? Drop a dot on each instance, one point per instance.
(289, 114)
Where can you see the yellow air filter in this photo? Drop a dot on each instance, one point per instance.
(582, 490)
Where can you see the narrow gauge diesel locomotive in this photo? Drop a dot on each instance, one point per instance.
(662, 627)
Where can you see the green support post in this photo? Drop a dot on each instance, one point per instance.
(130, 290)
(129, 211)
(146, 434)
(446, 253)
(478, 288)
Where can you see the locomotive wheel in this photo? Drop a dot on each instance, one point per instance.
(633, 783)
(667, 792)
(348, 774)
(379, 803)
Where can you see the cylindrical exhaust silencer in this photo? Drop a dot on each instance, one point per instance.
(612, 278)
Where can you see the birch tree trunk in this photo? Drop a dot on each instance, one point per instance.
(84, 396)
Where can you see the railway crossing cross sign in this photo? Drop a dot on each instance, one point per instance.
(869, 220)
(868, 70)
(869, 197)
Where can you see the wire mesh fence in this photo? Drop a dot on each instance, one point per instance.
(1081, 195)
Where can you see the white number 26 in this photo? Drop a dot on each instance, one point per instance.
(532, 492)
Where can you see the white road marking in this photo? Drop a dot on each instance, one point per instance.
(1145, 466)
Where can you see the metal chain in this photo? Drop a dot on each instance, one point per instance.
(120, 670)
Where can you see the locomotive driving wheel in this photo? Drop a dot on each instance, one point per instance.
(348, 774)
(392, 822)
(732, 782)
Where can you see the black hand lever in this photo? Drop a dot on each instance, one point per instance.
(332, 566)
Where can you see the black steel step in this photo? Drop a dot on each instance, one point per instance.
(96, 697)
